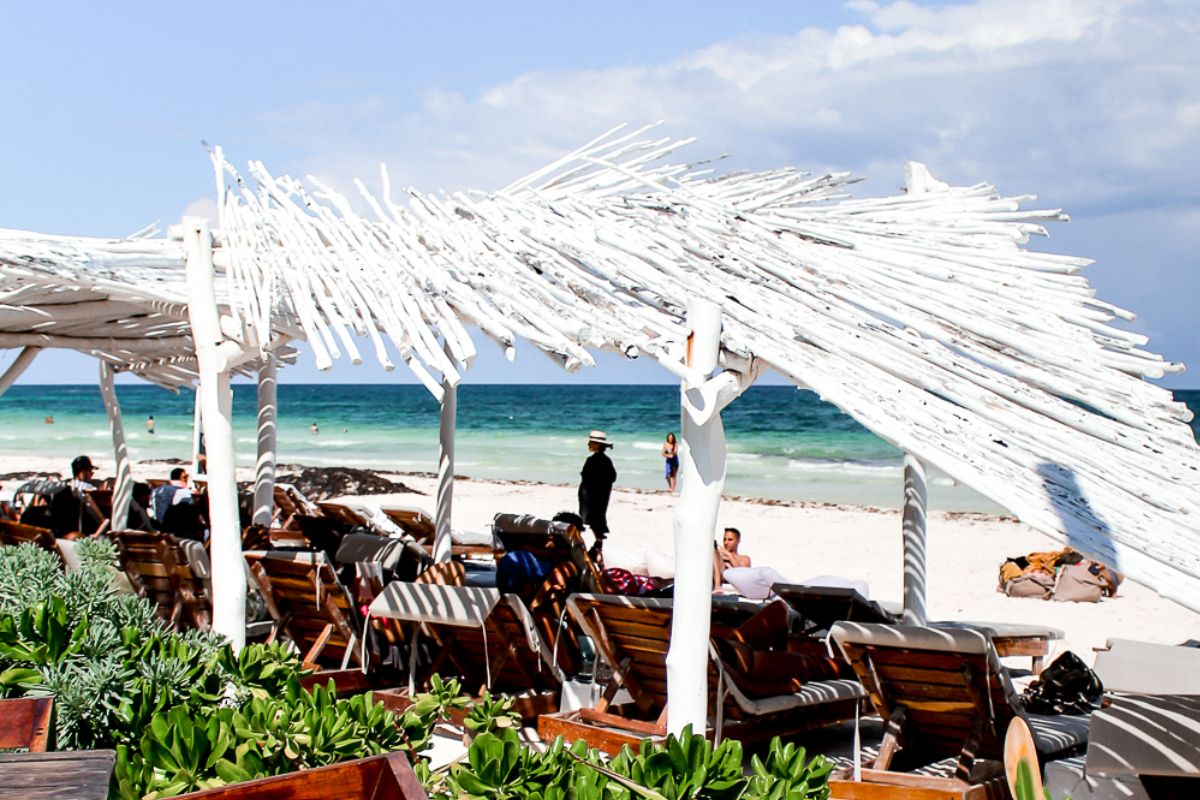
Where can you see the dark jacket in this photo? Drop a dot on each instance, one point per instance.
(595, 487)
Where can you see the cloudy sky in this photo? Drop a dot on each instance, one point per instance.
(1092, 105)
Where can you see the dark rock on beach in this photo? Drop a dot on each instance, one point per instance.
(321, 483)
(24, 476)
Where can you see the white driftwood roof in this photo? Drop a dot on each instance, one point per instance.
(920, 315)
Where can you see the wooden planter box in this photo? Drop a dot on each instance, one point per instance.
(384, 777)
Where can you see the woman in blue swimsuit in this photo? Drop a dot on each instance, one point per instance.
(670, 451)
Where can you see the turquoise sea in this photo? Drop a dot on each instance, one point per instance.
(783, 443)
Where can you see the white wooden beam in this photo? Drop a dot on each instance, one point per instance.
(264, 476)
(137, 344)
(19, 365)
(216, 399)
(123, 487)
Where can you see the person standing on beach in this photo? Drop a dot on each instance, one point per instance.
(595, 487)
(150, 424)
(670, 452)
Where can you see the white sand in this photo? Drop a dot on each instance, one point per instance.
(965, 551)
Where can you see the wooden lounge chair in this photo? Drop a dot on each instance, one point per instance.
(556, 542)
(944, 697)
(821, 606)
(159, 568)
(26, 722)
(489, 640)
(15, 533)
(632, 635)
(309, 605)
(383, 777)
(422, 528)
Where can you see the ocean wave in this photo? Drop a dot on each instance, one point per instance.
(847, 467)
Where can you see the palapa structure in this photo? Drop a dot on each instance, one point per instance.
(921, 315)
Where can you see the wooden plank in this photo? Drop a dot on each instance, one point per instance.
(76, 774)
(384, 777)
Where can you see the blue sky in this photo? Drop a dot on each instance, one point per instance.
(1092, 105)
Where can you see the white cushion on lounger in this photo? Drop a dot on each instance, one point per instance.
(838, 582)
(467, 606)
(753, 582)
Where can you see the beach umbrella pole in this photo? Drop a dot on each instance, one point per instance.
(445, 492)
(914, 532)
(264, 475)
(216, 401)
(123, 487)
(19, 365)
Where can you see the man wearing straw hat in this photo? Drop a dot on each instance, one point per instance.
(595, 487)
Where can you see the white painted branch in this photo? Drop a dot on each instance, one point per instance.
(123, 487)
(216, 398)
(264, 476)
(914, 530)
(137, 344)
(19, 365)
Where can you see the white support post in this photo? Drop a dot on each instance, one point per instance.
(445, 491)
(264, 476)
(123, 488)
(701, 480)
(914, 531)
(216, 401)
(19, 365)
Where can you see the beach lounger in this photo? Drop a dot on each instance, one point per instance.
(944, 697)
(632, 635)
(309, 605)
(487, 639)
(170, 573)
(821, 606)
(556, 542)
(1126, 666)
(16, 533)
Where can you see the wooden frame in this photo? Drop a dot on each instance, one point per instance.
(26, 722)
(159, 570)
(17, 533)
(382, 777)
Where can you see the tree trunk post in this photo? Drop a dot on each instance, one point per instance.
(264, 475)
(701, 480)
(123, 487)
(19, 365)
(442, 540)
(216, 402)
(914, 532)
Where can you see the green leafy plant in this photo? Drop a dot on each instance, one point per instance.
(490, 714)
(685, 767)
(785, 774)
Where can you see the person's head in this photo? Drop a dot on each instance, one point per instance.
(731, 539)
(671, 437)
(597, 441)
(82, 468)
(179, 474)
(141, 494)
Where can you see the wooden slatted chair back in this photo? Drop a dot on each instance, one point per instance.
(159, 570)
(26, 722)
(309, 605)
(16, 533)
(349, 517)
(945, 692)
(413, 521)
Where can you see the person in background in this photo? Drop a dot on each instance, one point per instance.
(314, 428)
(727, 551)
(595, 488)
(75, 511)
(139, 510)
(150, 424)
(670, 453)
(174, 509)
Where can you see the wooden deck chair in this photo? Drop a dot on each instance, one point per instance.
(821, 606)
(309, 605)
(15, 533)
(350, 517)
(161, 570)
(26, 722)
(487, 639)
(944, 697)
(557, 542)
(632, 635)
(413, 521)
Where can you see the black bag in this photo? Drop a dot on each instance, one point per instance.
(1067, 686)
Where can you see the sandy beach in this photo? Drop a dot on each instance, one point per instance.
(804, 540)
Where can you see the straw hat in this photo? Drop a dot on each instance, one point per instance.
(599, 438)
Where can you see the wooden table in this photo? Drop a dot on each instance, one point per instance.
(1013, 639)
(75, 774)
